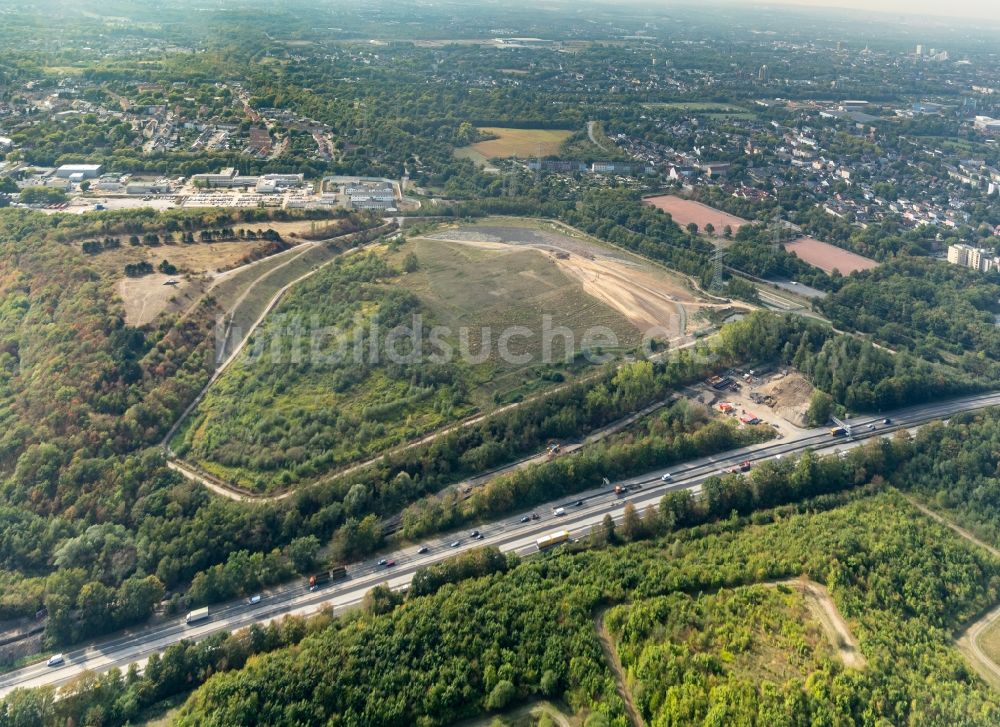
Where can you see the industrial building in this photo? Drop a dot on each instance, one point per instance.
(274, 183)
(371, 196)
(79, 172)
(227, 178)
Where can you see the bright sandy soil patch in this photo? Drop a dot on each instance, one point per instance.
(146, 297)
(685, 211)
(648, 296)
(792, 392)
(828, 257)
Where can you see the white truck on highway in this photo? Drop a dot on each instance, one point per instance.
(199, 614)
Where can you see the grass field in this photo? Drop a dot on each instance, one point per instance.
(485, 289)
(265, 425)
(514, 142)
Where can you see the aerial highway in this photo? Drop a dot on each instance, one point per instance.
(581, 512)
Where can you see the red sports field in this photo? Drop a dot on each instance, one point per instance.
(828, 257)
(685, 211)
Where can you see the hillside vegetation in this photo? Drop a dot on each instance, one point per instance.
(489, 643)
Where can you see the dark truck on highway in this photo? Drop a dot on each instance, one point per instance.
(323, 577)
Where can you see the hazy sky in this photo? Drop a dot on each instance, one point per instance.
(955, 8)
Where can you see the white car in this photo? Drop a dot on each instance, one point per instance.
(255, 599)
(667, 477)
(56, 660)
(559, 511)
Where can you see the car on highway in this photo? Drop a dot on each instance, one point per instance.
(887, 420)
(56, 660)
(526, 519)
(390, 564)
(578, 503)
(422, 549)
(535, 516)
(383, 562)
(870, 427)
(667, 477)
(559, 511)
(475, 534)
(455, 543)
(255, 599)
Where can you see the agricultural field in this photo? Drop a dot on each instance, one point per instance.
(514, 142)
(686, 211)
(828, 257)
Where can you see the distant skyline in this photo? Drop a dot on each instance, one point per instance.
(959, 9)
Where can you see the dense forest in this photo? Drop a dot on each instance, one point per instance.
(84, 397)
(935, 311)
(491, 642)
(480, 632)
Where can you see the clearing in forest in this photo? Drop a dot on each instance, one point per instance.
(522, 143)
(779, 633)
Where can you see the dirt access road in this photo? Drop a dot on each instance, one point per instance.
(968, 641)
(615, 665)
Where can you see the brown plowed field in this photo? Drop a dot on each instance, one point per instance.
(828, 257)
(685, 211)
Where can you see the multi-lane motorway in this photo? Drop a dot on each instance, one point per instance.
(582, 512)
